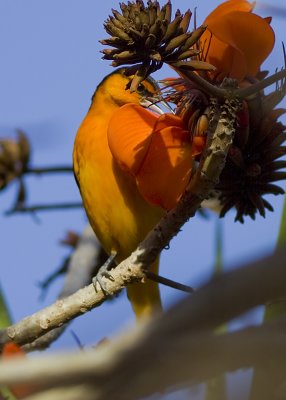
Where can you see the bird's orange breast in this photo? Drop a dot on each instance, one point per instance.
(120, 217)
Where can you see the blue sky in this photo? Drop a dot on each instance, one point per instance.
(50, 66)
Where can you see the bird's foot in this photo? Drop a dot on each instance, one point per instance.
(103, 272)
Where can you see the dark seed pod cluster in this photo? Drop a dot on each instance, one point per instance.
(14, 158)
(253, 165)
(145, 36)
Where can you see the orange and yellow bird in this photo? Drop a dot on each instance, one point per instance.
(118, 214)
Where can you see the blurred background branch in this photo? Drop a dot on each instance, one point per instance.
(173, 350)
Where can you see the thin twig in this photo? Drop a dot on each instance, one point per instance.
(43, 207)
(168, 282)
(48, 170)
(243, 93)
(202, 83)
(223, 93)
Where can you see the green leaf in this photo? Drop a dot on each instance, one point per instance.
(6, 394)
(282, 231)
(5, 319)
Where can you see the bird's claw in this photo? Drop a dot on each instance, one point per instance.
(103, 274)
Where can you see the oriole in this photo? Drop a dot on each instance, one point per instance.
(117, 212)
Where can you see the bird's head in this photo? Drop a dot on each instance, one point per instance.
(115, 87)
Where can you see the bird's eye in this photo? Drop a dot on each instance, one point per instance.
(141, 88)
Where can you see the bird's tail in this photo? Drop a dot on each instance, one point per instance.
(145, 297)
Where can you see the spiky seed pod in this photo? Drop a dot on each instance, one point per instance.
(14, 158)
(253, 163)
(252, 168)
(145, 35)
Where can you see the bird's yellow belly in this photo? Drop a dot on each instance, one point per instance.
(118, 214)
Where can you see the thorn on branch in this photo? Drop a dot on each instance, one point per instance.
(168, 282)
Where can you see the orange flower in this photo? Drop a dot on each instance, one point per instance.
(12, 350)
(237, 41)
(157, 150)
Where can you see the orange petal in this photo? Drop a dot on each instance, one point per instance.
(198, 145)
(246, 40)
(239, 41)
(268, 20)
(167, 167)
(166, 120)
(129, 135)
(12, 349)
(222, 56)
(227, 7)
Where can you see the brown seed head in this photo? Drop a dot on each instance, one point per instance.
(253, 164)
(14, 158)
(146, 36)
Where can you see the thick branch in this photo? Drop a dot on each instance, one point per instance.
(64, 310)
(132, 269)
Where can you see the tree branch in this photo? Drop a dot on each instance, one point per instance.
(224, 93)
(182, 338)
(48, 170)
(168, 282)
(132, 269)
(42, 207)
(87, 255)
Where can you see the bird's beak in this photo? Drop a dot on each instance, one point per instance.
(151, 105)
(155, 104)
